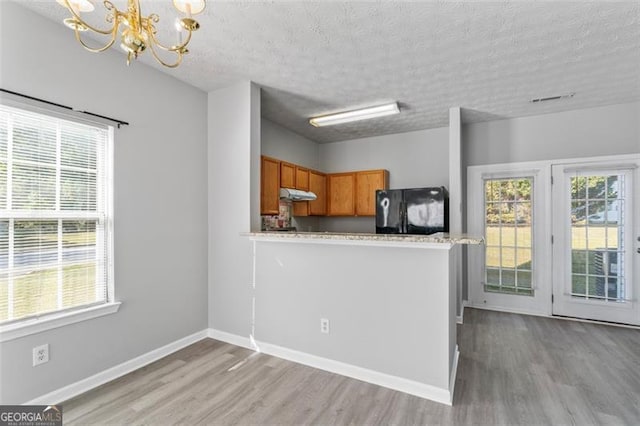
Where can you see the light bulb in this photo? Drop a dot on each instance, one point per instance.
(189, 7)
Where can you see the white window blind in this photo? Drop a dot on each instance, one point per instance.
(54, 214)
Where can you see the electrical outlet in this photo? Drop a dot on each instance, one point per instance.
(324, 325)
(40, 354)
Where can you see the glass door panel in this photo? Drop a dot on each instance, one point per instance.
(593, 223)
(508, 235)
(597, 227)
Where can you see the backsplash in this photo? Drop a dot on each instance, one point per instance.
(279, 221)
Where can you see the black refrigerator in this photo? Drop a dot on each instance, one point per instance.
(412, 211)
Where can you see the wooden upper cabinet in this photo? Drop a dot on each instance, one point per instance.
(302, 178)
(341, 189)
(367, 183)
(318, 185)
(318, 207)
(287, 175)
(269, 185)
(339, 194)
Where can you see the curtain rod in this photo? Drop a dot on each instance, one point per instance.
(115, 120)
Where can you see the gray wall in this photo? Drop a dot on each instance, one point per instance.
(234, 167)
(608, 130)
(414, 159)
(160, 202)
(283, 144)
(378, 319)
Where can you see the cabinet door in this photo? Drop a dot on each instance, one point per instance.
(318, 185)
(341, 194)
(302, 178)
(287, 175)
(300, 208)
(269, 186)
(367, 183)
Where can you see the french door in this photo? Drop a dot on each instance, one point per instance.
(509, 206)
(596, 241)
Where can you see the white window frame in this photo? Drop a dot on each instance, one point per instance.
(39, 323)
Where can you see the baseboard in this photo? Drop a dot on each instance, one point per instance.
(508, 310)
(546, 315)
(422, 390)
(233, 339)
(454, 372)
(60, 395)
(460, 318)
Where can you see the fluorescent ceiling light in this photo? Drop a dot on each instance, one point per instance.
(355, 115)
(553, 98)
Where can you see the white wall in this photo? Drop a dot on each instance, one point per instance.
(234, 167)
(160, 202)
(608, 130)
(414, 159)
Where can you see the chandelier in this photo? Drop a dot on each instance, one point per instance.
(137, 32)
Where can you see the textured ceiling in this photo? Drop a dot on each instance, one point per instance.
(316, 57)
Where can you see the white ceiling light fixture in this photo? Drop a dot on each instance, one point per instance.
(553, 98)
(355, 115)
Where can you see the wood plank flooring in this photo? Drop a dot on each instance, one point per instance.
(514, 369)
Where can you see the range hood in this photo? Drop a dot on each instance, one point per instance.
(297, 195)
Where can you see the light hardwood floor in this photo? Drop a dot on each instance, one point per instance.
(514, 369)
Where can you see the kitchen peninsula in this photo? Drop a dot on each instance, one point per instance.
(387, 304)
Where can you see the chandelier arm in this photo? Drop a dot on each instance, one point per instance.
(157, 58)
(114, 34)
(175, 48)
(108, 5)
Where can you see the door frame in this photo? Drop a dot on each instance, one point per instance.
(475, 226)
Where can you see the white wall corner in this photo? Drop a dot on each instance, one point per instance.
(455, 193)
(63, 394)
(255, 150)
(455, 170)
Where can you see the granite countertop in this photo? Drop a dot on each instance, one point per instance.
(438, 238)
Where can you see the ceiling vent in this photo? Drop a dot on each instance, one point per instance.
(553, 98)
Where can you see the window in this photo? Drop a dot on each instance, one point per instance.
(508, 235)
(597, 236)
(55, 233)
